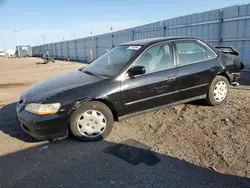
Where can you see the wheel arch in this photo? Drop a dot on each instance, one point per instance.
(109, 104)
(226, 75)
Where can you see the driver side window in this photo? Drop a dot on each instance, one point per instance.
(157, 58)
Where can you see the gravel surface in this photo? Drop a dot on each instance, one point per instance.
(189, 145)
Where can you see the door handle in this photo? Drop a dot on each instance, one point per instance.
(170, 79)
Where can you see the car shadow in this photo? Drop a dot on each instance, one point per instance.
(10, 125)
(201, 102)
(69, 163)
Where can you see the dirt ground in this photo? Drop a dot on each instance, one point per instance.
(16, 75)
(216, 138)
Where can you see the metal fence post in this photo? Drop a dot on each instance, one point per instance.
(76, 49)
(112, 42)
(163, 28)
(84, 47)
(132, 34)
(61, 50)
(43, 50)
(220, 26)
(96, 47)
(56, 50)
(67, 45)
(51, 53)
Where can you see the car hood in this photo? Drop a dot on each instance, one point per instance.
(58, 84)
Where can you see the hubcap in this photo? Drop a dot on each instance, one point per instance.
(220, 91)
(91, 123)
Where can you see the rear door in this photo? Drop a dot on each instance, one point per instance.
(158, 86)
(197, 65)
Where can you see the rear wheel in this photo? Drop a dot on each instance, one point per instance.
(92, 121)
(218, 91)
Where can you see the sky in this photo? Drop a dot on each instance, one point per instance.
(56, 20)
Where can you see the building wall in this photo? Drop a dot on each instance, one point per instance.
(226, 27)
(24, 50)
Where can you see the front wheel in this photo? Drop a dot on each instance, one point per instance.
(218, 91)
(92, 121)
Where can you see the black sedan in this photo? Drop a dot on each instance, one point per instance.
(130, 79)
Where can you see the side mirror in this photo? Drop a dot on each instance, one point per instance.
(136, 70)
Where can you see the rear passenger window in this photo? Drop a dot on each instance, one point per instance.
(191, 52)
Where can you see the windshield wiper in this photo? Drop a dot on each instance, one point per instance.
(90, 73)
(104, 76)
(97, 75)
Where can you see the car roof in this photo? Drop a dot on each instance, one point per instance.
(149, 41)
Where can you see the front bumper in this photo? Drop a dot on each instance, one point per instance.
(44, 127)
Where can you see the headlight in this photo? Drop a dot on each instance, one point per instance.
(42, 109)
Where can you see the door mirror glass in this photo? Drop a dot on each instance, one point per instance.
(136, 70)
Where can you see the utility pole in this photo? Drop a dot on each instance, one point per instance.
(16, 31)
(43, 39)
(161, 18)
(73, 35)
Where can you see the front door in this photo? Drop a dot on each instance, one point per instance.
(157, 87)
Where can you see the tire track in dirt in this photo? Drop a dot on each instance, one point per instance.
(11, 85)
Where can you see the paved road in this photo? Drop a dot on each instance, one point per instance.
(69, 163)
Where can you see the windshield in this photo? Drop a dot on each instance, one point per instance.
(112, 62)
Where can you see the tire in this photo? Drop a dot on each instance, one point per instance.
(213, 98)
(95, 107)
